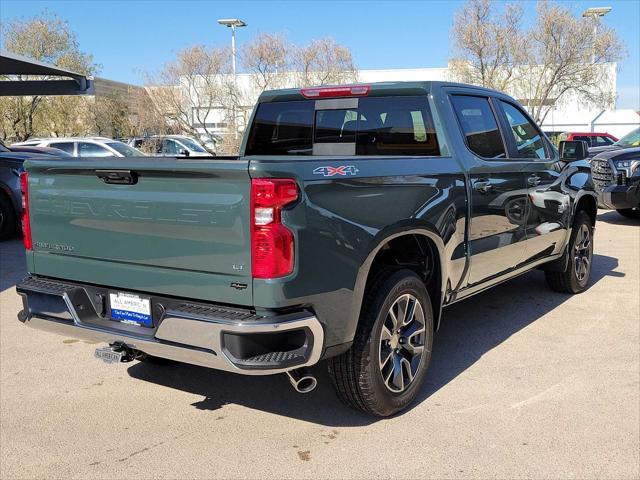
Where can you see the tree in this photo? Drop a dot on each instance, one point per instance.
(266, 57)
(487, 44)
(189, 90)
(558, 56)
(568, 57)
(323, 62)
(48, 39)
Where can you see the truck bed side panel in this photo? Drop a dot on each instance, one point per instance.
(343, 218)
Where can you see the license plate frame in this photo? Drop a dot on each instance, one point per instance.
(130, 308)
(108, 355)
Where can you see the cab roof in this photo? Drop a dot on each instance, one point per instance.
(373, 89)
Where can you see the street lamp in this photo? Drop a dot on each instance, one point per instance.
(595, 12)
(233, 23)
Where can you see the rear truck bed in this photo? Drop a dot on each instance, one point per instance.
(119, 247)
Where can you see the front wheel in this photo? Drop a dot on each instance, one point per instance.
(630, 212)
(575, 277)
(384, 369)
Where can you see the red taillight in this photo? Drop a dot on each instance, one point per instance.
(340, 91)
(26, 225)
(271, 242)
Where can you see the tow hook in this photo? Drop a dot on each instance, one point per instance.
(116, 353)
(302, 380)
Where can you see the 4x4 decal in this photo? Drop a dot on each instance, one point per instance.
(342, 170)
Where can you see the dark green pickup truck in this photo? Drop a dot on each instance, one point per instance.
(353, 215)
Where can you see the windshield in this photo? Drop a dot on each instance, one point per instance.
(631, 139)
(191, 144)
(3, 148)
(125, 150)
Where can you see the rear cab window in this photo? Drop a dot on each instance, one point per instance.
(380, 126)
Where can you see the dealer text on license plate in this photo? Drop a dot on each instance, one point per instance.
(130, 308)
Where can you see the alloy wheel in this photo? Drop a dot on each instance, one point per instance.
(402, 343)
(582, 253)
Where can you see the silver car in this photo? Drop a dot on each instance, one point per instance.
(86, 146)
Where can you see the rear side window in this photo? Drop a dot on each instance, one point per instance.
(372, 126)
(65, 146)
(479, 126)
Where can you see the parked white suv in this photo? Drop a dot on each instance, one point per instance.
(86, 146)
(170, 146)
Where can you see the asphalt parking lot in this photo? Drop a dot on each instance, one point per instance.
(524, 382)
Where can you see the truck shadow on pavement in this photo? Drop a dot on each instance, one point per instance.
(469, 330)
(614, 218)
(12, 263)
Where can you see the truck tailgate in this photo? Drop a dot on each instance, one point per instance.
(181, 229)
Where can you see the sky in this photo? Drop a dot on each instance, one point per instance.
(131, 38)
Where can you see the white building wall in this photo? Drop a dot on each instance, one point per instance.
(572, 112)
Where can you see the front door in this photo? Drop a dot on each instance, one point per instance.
(550, 204)
(498, 192)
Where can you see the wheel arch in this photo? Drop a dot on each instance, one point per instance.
(586, 202)
(422, 236)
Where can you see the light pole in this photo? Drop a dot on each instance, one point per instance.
(233, 23)
(594, 13)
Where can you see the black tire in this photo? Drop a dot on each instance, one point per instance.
(357, 374)
(8, 219)
(570, 280)
(630, 212)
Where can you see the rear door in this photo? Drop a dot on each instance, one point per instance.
(498, 191)
(181, 228)
(549, 212)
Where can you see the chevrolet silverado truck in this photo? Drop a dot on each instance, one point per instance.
(616, 176)
(353, 216)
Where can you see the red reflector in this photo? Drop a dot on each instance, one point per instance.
(341, 91)
(272, 247)
(26, 224)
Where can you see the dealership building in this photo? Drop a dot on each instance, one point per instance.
(572, 112)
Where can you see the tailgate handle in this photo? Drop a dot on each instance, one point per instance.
(118, 177)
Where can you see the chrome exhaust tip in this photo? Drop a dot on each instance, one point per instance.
(302, 381)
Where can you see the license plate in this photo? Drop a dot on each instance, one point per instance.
(130, 308)
(107, 355)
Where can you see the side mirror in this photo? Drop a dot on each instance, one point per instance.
(183, 152)
(573, 150)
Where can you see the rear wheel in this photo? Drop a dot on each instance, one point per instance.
(575, 277)
(630, 212)
(8, 220)
(384, 369)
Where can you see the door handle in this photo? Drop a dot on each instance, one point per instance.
(533, 180)
(482, 186)
(118, 177)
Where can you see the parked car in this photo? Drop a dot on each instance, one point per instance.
(352, 216)
(170, 146)
(211, 144)
(593, 139)
(630, 140)
(11, 161)
(616, 176)
(84, 146)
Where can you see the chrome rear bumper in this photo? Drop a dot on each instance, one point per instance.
(200, 334)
